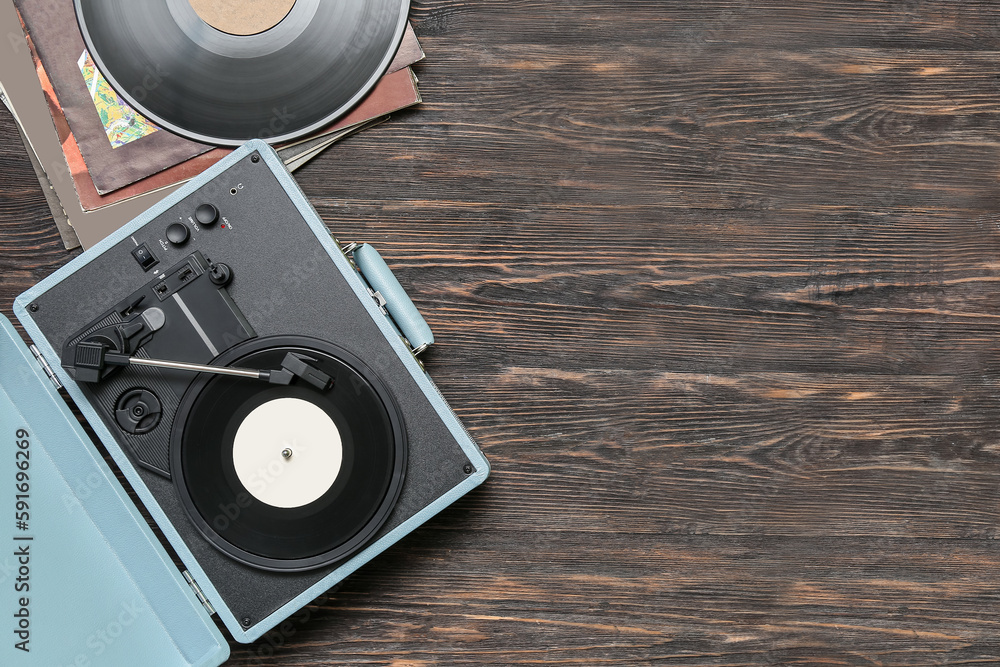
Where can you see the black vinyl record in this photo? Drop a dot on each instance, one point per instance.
(207, 85)
(237, 518)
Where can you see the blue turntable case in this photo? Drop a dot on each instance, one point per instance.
(83, 580)
(98, 587)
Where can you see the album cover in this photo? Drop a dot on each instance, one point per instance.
(293, 70)
(393, 92)
(24, 94)
(114, 159)
(66, 232)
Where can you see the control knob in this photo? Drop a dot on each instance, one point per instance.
(206, 215)
(178, 233)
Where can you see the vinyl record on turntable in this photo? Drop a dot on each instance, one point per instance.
(288, 477)
(225, 72)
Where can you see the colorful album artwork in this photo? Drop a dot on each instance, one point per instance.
(121, 122)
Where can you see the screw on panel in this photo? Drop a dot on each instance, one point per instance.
(246, 621)
(33, 307)
(255, 158)
(468, 468)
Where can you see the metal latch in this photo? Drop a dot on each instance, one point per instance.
(198, 592)
(45, 366)
(379, 300)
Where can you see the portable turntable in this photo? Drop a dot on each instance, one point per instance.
(256, 383)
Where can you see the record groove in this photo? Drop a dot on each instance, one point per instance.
(214, 87)
(341, 520)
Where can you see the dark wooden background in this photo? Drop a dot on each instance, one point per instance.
(715, 286)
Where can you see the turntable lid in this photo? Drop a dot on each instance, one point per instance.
(82, 576)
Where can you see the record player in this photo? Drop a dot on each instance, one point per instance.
(257, 385)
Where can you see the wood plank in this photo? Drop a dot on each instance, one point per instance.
(715, 287)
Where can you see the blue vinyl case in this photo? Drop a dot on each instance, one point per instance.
(100, 588)
(84, 581)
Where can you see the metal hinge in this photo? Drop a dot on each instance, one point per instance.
(45, 366)
(198, 593)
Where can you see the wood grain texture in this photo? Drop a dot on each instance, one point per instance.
(715, 286)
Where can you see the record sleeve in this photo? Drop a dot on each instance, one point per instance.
(223, 84)
(52, 26)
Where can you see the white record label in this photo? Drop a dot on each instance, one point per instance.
(287, 452)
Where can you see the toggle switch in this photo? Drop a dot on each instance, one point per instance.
(145, 258)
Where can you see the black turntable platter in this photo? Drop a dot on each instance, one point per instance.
(288, 477)
(319, 60)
